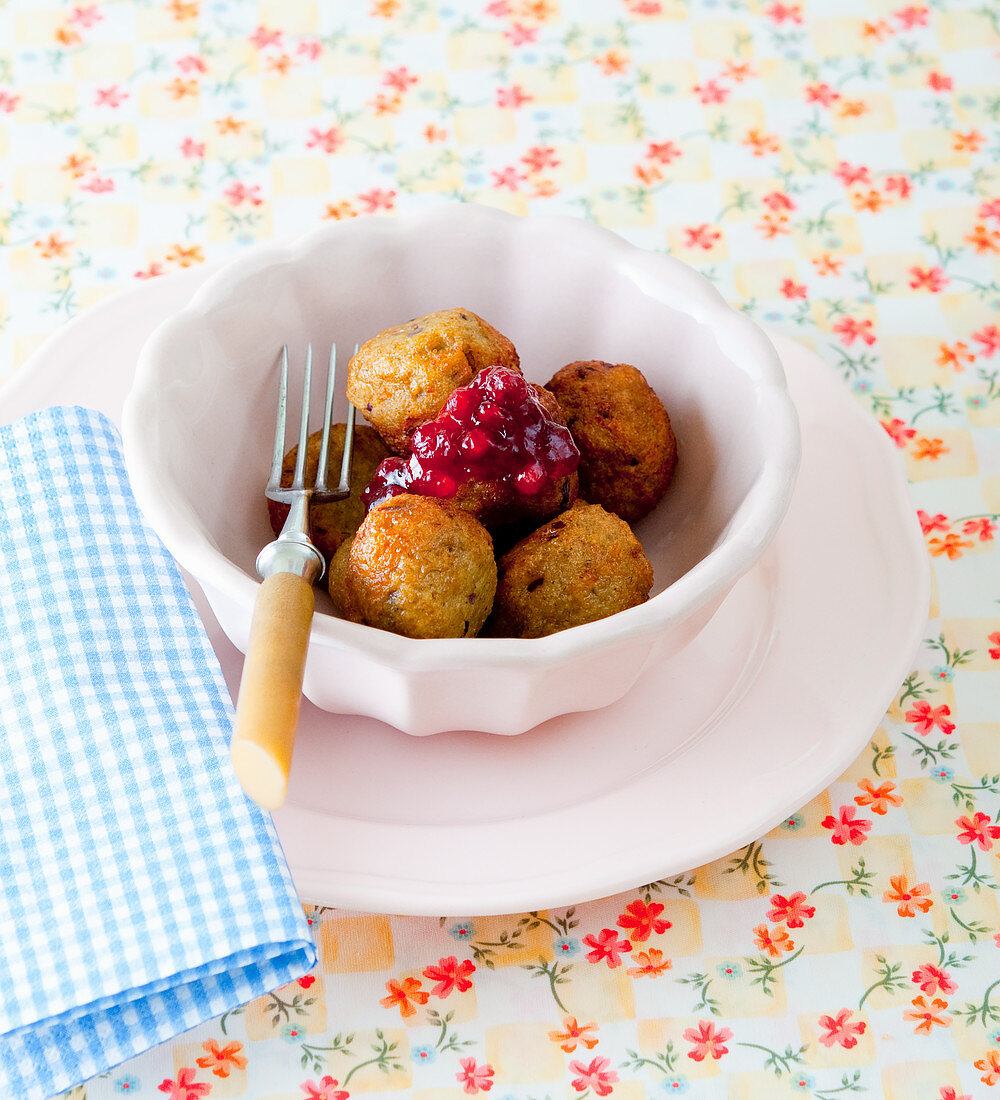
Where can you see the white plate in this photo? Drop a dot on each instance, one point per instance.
(708, 751)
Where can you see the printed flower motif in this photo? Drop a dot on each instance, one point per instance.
(731, 971)
(841, 1029)
(761, 143)
(184, 1087)
(991, 1065)
(567, 946)
(942, 774)
(643, 919)
(310, 48)
(956, 355)
(850, 329)
(262, 38)
(450, 974)
(707, 1040)
(780, 12)
(8, 102)
(912, 16)
(191, 148)
(339, 210)
(229, 125)
(821, 93)
(377, 199)
(423, 1055)
(930, 278)
(291, 1033)
(791, 289)
(939, 82)
(908, 897)
(514, 96)
(127, 1085)
(474, 1078)
(86, 17)
(791, 910)
(955, 895)
(574, 1033)
(775, 942)
(848, 174)
(612, 62)
(925, 717)
(596, 1076)
(982, 528)
(929, 523)
(948, 1093)
(989, 337)
(462, 931)
(306, 981)
(899, 184)
(846, 827)
(192, 63)
(401, 79)
(651, 964)
(180, 89)
(970, 141)
(185, 256)
(508, 178)
(222, 1060)
(930, 1014)
(327, 140)
(114, 96)
(325, 1090)
(607, 945)
(737, 72)
(773, 225)
(517, 34)
(53, 247)
(983, 239)
(951, 545)
(827, 265)
(899, 433)
(880, 798)
(994, 650)
(711, 92)
(977, 830)
(98, 185)
(700, 236)
(406, 994)
(932, 979)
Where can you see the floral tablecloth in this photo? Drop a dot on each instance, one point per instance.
(833, 166)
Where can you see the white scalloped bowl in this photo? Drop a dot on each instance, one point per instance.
(199, 421)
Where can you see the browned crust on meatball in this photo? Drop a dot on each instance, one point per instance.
(330, 524)
(402, 377)
(419, 567)
(584, 565)
(627, 447)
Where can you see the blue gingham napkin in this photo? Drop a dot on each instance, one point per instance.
(140, 892)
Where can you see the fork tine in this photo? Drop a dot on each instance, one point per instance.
(298, 482)
(344, 485)
(324, 449)
(277, 457)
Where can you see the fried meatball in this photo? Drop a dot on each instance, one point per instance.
(330, 524)
(336, 577)
(584, 565)
(627, 447)
(402, 377)
(419, 567)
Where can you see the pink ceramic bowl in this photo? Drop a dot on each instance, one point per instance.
(199, 421)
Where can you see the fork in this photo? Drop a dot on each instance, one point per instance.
(271, 686)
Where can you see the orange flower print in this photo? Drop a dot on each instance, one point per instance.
(930, 448)
(434, 133)
(908, 897)
(385, 9)
(339, 210)
(643, 919)
(77, 166)
(984, 240)
(229, 125)
(181, 10)
(737, 73)
(406, 994)
(852, 108)
(53, 247)
(761, 143)
(178, 89)
(651, 964)
(186, 257)
(868, 200)
(222, 1060)
(880, 798)
(66, 36)
(775, 942)
(574, 1033)
(386, 105)
(991, 1065)
(827, 265)
(614, 61)
(773, 225)
(877, 30)
(930, 1014)
(957, 356)
(970, 141)
(951, 545)
(280, 64)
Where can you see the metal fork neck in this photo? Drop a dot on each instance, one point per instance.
(293, 551)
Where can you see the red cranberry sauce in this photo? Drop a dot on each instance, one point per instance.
(494, 429)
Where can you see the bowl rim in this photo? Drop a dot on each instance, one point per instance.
(751, 528)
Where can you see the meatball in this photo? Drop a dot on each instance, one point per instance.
(584, 565)
(627, 447)
(419, 567)
(336, 577)
(402, 377)
(330, 524)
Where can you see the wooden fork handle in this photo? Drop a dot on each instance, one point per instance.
(267, 710)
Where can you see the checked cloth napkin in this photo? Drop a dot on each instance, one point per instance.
(141, 893)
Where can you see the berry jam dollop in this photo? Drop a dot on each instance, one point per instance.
(495, 430)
